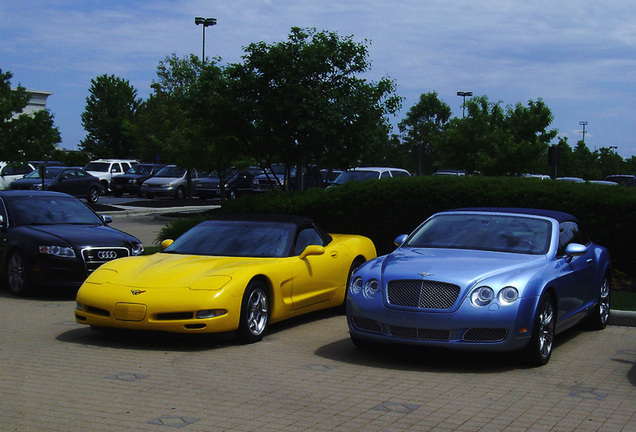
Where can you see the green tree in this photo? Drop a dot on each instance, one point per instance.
(423, 125)
(24, 137)
(309, 103)
(112, 103)
(165, 111)
(497, 140)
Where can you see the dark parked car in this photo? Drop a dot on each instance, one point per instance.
(50, 239)
(624, 179)
(275, 177)
(238, 183)
(73, 181)
(134, 177)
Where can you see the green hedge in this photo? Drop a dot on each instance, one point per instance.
(383, 209)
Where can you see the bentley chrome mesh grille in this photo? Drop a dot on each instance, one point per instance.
(422, 294)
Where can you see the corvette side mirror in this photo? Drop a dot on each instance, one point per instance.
(107, 219)
(166, 243)
(312, 250)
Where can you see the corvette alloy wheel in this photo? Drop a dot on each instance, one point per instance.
(254, 313)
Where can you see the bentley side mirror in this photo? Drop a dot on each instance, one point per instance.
(400, 239)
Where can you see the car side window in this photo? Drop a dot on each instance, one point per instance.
(385, 174)
(115, 168)
(67, 174)
(125, 166)
(306, 237)
(570, 232)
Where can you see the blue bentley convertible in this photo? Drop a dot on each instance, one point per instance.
(490, 279)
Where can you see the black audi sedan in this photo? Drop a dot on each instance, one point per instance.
(52, 240)
(73, 181)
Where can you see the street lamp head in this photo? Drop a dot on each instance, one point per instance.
(207, 22)
(464, 94)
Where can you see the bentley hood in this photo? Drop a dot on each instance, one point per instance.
(459, 267)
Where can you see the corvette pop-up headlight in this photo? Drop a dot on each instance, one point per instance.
(508, 295)
(482, 296)
(371, 288)
(356, 285)
(60, 251)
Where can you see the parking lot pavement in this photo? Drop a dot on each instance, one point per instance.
(305, 375)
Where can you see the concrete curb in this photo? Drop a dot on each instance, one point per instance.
(144, 211)
(622, 318)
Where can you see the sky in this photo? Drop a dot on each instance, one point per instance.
(578, 56)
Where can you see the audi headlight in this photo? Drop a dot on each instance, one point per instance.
(137, 249)
(371, 288)
(508, 295)
(60, 251)
(356, 285)
(482, 296)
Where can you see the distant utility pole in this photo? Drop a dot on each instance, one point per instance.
(584, 124)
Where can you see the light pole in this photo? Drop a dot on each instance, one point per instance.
(206, 22)
(463, 95)
(584, 124)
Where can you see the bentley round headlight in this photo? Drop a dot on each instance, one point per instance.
(356, 285)
(508, 295)
(371, 288)
(482, 296)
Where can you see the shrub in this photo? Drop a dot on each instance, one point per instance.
(383, 209)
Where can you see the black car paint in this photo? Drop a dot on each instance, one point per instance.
(49, 270)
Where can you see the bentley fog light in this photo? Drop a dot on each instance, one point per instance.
(60, 251)
(482, 296)
(356, 285)
(508, 295)
(371, 288)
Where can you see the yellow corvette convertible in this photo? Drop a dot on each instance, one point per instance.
(230, 274)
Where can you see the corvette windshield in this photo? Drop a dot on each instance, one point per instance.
(236, 239)
(516, 234)
(45, 210)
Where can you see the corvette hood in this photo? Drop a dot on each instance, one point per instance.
(459, 267)
(163, 270)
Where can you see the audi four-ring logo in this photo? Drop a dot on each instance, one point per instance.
(106, 254)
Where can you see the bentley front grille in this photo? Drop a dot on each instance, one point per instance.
(418, 333)
(422, 294)
(94, 257)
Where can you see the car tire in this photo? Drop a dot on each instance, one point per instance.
(18, 278)
(179, 193)
(599, 318)
(254, 313)
(539, 350)
(93, 195)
